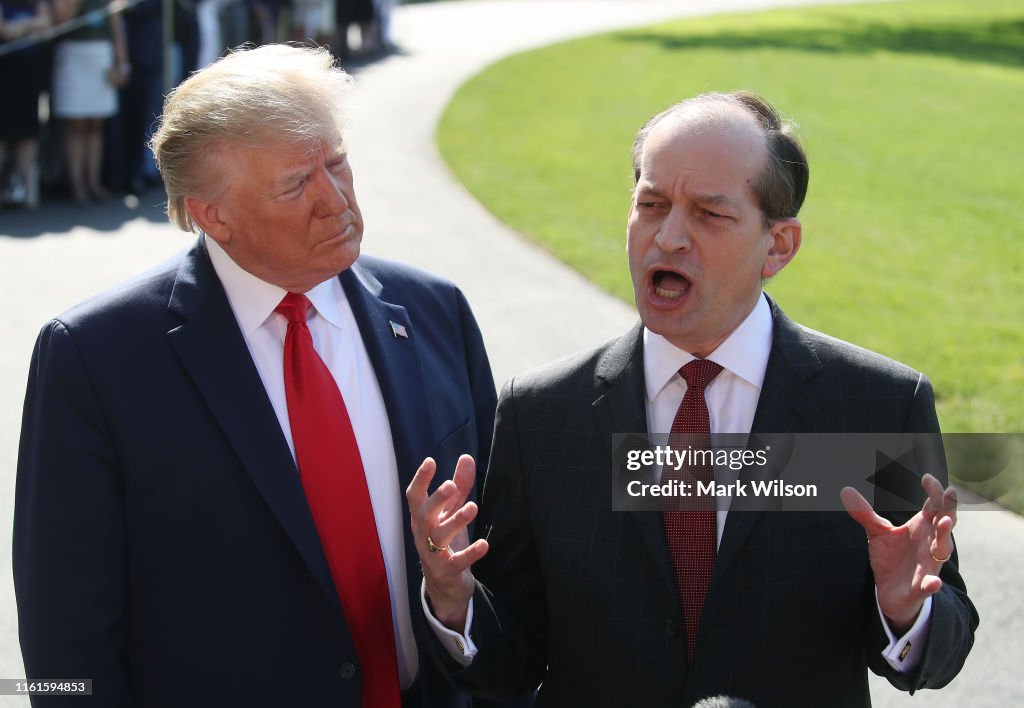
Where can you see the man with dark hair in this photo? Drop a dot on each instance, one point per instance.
(666, 607)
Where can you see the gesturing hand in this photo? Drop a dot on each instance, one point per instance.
(439, 524)
(906, 559)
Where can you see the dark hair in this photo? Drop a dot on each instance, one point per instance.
(782, 185)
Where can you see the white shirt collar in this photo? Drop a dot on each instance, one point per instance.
(253, 300)
(743, 353)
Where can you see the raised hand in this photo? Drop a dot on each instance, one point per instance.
(439, 528)
(906, 559)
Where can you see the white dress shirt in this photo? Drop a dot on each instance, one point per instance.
(732, 401)
(731, 397)
(336, 339)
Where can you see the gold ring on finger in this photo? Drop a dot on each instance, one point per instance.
(434, 548)
(940, 560)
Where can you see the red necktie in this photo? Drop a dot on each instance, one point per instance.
(332, 476)
(690, 532)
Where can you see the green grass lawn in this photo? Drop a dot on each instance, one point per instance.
(912, 115)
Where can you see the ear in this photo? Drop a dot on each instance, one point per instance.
(785, 237)
(207, 215)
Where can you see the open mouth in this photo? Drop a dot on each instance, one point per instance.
(669, 284)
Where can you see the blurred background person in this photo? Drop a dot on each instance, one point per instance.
(382, 24)
(130, 165)
(21, 82)
(346, 14)
(186, 41)
(308, 20)
(89, 64)
(141, 99)
(264, 20)
(235, 21)
(209, 40)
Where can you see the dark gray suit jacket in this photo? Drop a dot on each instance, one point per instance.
(582, 599)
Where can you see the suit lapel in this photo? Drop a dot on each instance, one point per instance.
(213, 351)
(787, 404)
(621, 409)
(396, 364)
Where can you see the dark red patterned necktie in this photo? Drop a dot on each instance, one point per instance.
(332, 476)
(690, 531)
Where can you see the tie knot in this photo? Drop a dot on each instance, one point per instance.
(699, 373)
(294, 307)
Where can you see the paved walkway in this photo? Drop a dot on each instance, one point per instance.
(532, 309)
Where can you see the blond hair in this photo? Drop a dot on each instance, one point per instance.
(271, 94)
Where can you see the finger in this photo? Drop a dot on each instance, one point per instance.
(465, 558)
(416, 492)
(438, 505)
(451, 495)
(465, 475)
(859, 508)
(463, 479)
(445, 533)
(942, 545)
(446, 570)
(949, 502)
(931, 584)
(933, 488)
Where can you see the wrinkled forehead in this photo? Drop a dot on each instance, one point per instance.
(724, 150)
(328, 141)
(265, 161)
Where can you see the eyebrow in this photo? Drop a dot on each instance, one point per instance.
(646, 189)
(298, 173)
(294, 176)
(714, 199)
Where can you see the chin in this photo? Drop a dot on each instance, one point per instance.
(346, 255)
(670, 326)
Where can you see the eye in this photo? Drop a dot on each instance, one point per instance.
(712, 214)
(648, 205)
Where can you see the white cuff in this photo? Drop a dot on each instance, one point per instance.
(904, 653)
(459, 646)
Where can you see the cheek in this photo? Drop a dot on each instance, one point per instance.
(630, 242)
(638, 242)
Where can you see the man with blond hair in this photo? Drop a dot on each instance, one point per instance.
(208, 507)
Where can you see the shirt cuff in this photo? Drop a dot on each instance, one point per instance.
(904, 653)
(459, 646)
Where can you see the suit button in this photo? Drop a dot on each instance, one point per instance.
(671, 627)
(348, 671)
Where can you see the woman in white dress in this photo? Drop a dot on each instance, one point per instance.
(89, 65)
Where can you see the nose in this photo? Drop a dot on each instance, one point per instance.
(331, 199)
(674, 232)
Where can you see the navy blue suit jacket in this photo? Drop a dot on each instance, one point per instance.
(163, 546)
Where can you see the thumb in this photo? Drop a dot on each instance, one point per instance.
(859, 508)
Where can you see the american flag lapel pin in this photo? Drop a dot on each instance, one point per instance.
(398, 330)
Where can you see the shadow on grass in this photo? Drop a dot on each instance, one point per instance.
(994, 42)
